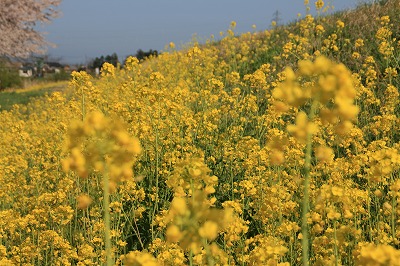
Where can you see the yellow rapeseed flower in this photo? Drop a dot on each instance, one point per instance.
(83, 201)
(209, 230)
(319, 4)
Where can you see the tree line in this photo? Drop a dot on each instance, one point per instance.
(114, 60)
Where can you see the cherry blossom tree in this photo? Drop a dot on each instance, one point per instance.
(19, 36)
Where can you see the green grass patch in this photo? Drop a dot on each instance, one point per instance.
(10, 98)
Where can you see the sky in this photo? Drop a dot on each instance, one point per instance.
(90, 28)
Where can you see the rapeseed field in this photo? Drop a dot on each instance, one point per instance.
(274, 147)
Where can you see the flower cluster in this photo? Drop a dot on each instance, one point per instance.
(102, 145)
(273, 147)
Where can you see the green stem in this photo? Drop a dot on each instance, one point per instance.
(232, 186)
(106, 203)
(335, 245)
(369, 211)
(393, 218)
(191, 258)
(305, 206)
(155, 207)
(83, 105)
(210, 259)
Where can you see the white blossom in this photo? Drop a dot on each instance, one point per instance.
(18, 18)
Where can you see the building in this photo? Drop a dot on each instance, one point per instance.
(26, 71)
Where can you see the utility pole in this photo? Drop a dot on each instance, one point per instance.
(277, 17)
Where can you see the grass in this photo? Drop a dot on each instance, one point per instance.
(10, 97)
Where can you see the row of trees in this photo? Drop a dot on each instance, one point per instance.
(113, 58)
(99, 61)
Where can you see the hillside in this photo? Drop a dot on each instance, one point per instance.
(277, 147)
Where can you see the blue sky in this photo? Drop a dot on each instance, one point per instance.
(91, 28)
